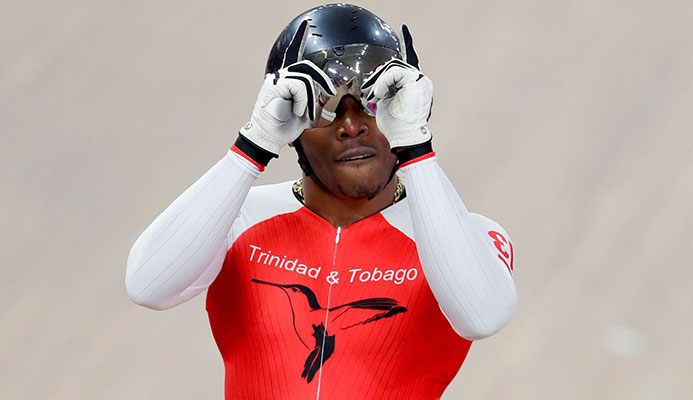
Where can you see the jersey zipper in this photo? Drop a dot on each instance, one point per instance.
(327, 307)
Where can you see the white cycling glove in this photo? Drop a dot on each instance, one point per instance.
(404, 97)
(287, 102)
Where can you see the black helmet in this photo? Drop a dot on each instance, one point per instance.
(346, 41)
(331, 28)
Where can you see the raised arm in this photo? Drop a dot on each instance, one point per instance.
(182, 251)
(464, 262)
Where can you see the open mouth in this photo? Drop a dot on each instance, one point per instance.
(356, 154)
(356, 158)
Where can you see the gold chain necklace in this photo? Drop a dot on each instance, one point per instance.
(298, 190)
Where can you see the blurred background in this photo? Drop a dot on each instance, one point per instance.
(569, 122)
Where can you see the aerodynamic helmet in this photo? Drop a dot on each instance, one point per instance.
(348, 43)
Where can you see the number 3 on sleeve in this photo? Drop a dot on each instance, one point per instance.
(504, 247)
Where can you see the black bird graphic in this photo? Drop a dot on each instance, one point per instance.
(383, 307)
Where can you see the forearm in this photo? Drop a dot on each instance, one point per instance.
(183, 249)
(473, 287)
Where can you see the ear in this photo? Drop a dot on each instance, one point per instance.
(407, 48)
(294, 52)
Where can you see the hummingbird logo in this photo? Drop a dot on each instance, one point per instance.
(349, 315)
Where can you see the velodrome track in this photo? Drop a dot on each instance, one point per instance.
(569, 122)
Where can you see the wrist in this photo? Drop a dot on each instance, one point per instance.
(411, 154)
(409, 136)
(252, 152)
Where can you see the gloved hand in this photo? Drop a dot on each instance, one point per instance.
(287, 102)
(404, 97)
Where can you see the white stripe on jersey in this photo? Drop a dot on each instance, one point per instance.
(262, 203)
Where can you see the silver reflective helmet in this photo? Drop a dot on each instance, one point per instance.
(348, 43)
(348, 71)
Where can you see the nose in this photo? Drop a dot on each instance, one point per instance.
(351, 120)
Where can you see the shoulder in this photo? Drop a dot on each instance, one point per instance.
(399, 216)
(488, 225)
(270, 198)
(262, 203)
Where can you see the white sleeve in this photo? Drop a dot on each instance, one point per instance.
(460, 259)
(182, 251)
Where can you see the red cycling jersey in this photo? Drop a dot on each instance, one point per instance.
(303, 310)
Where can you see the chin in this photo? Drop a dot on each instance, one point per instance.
(362, 182)
(360, 188)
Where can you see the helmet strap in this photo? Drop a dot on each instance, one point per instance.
(304, 164)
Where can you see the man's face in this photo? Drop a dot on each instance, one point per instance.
(350, 156)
